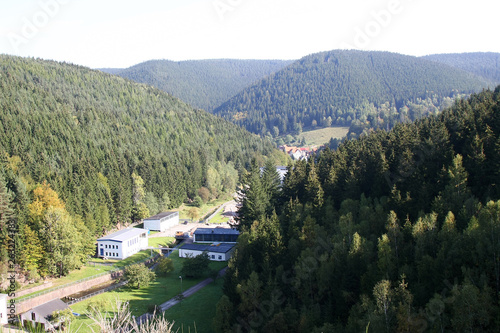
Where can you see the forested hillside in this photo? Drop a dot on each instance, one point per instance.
(398, 231)
(81, 150)
(203, 84)
(343, 88)
(485, 64)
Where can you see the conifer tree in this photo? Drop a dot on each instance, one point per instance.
(253, 199)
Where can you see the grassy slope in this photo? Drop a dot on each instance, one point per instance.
(161, 290)
(196, 312)
(91, 270)
(323, 135)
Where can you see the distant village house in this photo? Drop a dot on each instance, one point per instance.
(297, 153)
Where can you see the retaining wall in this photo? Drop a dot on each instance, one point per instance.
(65, 291)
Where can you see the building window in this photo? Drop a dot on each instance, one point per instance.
(213, 256)
(101, 245)
(220, 257)
(33, 316)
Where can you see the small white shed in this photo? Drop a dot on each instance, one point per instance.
(162, 221)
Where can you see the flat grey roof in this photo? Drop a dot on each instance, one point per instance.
(216, 231)
(221, 248)
(161, 215)
(46, 309)
(123, 235)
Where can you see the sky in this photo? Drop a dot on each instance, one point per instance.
(119, 34)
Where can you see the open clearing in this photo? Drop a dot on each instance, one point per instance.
(322, 136)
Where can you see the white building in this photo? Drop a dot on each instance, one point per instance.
(162, 221)
(216, 252)
(122, 244)
(4, 316)
(282, 171)
(41, 316)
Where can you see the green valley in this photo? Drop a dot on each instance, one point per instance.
(82, 152)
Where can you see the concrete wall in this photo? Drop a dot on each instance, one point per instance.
(34, 289)
(66, 291)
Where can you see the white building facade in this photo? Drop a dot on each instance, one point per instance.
(216, 252)
(4, 315)
(122, 244)
(162, 221)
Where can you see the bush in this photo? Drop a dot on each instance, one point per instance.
(198, 202)
(204, 194)
(196, 267)
(165, 266)
(139, 275)
(96, 305)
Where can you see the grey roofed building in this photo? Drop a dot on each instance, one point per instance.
(220, 248)
(211, 235)
(123, 235)
(161, 216)
(215, 252)
(42, 314)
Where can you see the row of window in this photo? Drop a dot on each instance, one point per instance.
(110, 246)
(132, 241)
(225, 238)
(111, 254)
(213, 257)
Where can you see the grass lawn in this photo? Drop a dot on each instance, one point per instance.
(139, 256)
(161, 241)
(219, 218)
(323, 135)
(196, 311)
(90, 270)
(161, 290)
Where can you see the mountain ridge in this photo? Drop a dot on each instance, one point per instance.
(68, 124)
(484, 64)
(204, 84)
(338, 87)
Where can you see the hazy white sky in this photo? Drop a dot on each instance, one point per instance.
(112, 33)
